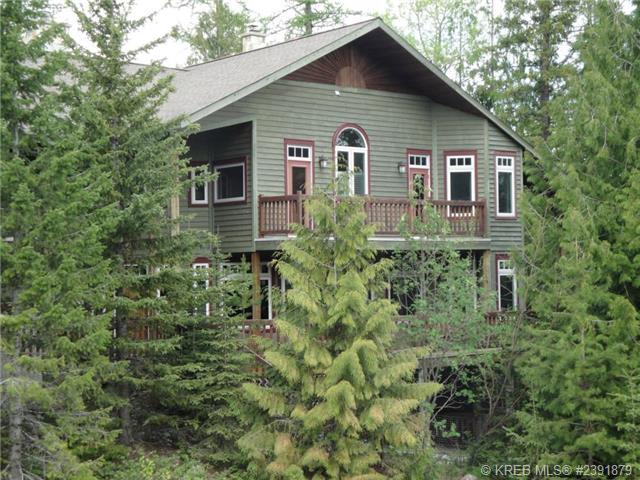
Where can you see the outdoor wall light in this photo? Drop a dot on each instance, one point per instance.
(402, 167)
(324, 163)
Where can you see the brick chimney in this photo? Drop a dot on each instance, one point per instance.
(253, 38)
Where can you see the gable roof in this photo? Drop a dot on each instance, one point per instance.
(207, 87)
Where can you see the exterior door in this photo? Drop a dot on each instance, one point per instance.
(298, 178)
(351, 162)
(420, 183)
(298, 181)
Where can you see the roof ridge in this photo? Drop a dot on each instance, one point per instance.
(188, 67)
(157, 64)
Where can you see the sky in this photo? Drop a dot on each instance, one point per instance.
(174, 53)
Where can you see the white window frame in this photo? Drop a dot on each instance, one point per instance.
(197, 266)
(351, 151)
(506, 169)
(217, 168)
(296, 158)
(505, 269)
(462, 168)
(192, 190)
(419, 155)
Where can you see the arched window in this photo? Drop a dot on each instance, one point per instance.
(352, 160)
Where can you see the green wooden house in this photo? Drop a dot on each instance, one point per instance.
(278, 122)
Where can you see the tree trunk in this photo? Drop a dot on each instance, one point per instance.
(16, 416)
(122, 388)
(308, 20)
(544, 82)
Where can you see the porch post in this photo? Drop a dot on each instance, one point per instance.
(257, 297)
(486, 269)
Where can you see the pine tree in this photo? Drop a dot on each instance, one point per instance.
(150, 276)
(339, 397)
(217, 33)
(54, 221)
(582, 267)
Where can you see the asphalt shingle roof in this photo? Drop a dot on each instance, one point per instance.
(201, 85)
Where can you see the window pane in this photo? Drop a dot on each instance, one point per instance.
(350, 138)
(264, 300)
(199, 191)
(504, 192)
(506, 292)
(231, 182)
(343, 162)
(460, 185)
(292, 152)
(418, 186)
(298, 179)
(358, 173)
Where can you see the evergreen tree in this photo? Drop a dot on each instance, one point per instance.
(54, 221)
(217, 33)
(195, 394)
(339, 397)
(446, 32)
(583, 275)
(444, 308)
(528, 60)
(304, 17)
(151, 278)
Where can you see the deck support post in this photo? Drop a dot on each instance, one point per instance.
(257, 294)
(486, 269)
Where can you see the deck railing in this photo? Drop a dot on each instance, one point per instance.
(277, 214)
(268, 329)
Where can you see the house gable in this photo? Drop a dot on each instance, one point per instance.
(352, 66)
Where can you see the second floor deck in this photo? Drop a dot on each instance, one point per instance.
(278, 214)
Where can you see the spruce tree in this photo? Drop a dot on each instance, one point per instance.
(582, 272)
(339, 398)
(155, 290)
(54, 221)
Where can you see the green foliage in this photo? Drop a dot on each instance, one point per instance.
(581, 262)
(445, 306)
(194, 395)
(448, 33)
(525, 65)
(217, 32)
(304, 17)
(158, 467)
(54, 223)
(339, 399)
(179, 381)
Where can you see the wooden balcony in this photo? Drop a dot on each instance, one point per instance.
(267, 328)
(277, 214)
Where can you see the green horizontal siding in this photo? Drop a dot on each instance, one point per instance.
(506, 234)
(232, 223)
(393, 123)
